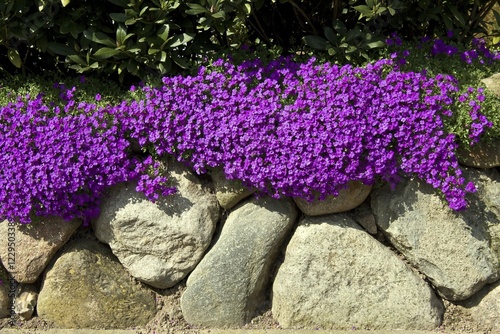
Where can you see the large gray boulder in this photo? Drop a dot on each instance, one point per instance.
(86, 287)
(485, 154)
(159, 243)
(492, 83)
(5, 301)
(484, 307)
(228, 192)
(486, 202)
(347, 199)
(453, 249)
(228, 285)
(336, 276)
(44, 235)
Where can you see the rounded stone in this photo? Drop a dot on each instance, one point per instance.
(86, 287)
(347, 199)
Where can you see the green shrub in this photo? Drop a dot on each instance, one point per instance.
(358, 29)
(141, 38)
(137, 37)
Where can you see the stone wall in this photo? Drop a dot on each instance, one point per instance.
(370, 258)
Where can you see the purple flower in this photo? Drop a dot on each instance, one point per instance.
(283, 128)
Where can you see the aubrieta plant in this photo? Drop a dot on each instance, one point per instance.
(58, 165)
(470, 121)
(285, 128)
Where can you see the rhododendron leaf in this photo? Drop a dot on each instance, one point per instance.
(376, 44)
(331, 35)
(60, 49)
(181, 39)
(99, 37)
(163, 32)
(196, 9)
(14, 57)
(456, 14)
(118, 17)
(104, 53)
(315, 42)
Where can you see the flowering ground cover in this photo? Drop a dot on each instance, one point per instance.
(286, 128)
(468, 66)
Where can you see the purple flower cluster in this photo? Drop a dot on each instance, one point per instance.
(285, 128)
(477, 122)
(479, 52)
(300, 130)
(57, 165)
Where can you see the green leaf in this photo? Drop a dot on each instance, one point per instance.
(165, 66)
(182, 39)
(162, 56)
(181, 62)
(376, 44)
(77, 59)
(331, 35)
(164, 31)
(448, 23)
(381, 10)
(497, 16)
(219, 15)
(75, 29)
(41, 5)
(14, 58)
(118, 17)
(315, 42)
(42, 43)
(332, 52)
(457, 14)
(423, 4)
(65, 2)
(144, 10)
(120, 3)
(60, 49)
(121, 34)
(133, 67)
(122, 67)
(196, 9)
(99, 37)
(340, 27)
(105, 53)
(364, 10)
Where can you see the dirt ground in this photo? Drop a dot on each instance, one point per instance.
(169, 319)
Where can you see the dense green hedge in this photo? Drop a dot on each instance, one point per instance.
(138, 38)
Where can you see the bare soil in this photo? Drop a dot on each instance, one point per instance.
(169, 319)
